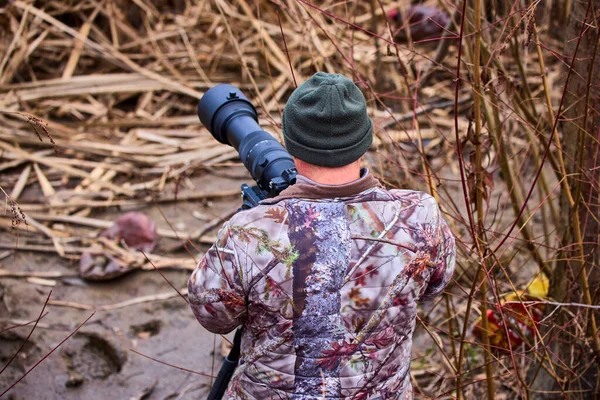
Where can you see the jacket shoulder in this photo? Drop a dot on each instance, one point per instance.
(415, 197)
(261, 215)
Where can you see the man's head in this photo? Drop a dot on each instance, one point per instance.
(325, 122)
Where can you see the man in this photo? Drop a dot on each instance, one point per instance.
(325, 278)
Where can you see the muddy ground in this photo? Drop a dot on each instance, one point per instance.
(98, 361)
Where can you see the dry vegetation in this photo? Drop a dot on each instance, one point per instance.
(493, 116)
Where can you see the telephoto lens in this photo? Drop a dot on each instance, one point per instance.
(232, 119)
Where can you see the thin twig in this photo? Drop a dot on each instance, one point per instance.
(164, 277)
(171, 365)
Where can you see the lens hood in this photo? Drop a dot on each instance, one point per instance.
(219, 105)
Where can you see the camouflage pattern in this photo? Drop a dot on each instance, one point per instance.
(326, 288)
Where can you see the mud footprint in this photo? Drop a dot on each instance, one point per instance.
(91, 356)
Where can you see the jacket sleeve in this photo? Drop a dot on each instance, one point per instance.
(215, 287)
(444, 252)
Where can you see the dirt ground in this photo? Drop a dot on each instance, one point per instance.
(98, 361)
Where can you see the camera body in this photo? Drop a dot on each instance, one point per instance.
(232, 119)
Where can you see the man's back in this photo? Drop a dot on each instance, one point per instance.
(325, 281)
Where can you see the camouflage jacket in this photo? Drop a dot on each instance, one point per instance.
(325, 281)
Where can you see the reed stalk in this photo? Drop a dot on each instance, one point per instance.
(479, 194)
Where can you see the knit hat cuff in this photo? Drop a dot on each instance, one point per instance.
(332, 158)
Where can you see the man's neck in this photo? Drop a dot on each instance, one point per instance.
(330, 176)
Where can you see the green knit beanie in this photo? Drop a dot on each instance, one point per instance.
(325, 121)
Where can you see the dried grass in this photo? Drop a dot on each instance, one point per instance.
(102, 95)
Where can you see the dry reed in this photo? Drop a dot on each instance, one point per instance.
(97, 110)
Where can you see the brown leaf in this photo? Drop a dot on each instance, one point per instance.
(135, 229)
(100, 267)
(471, 186)
(488, 185)
(276, 214)
(501, 83)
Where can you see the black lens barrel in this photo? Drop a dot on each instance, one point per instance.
(231, 119)
(220, 105)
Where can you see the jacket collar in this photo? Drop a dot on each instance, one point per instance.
(308, 189)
